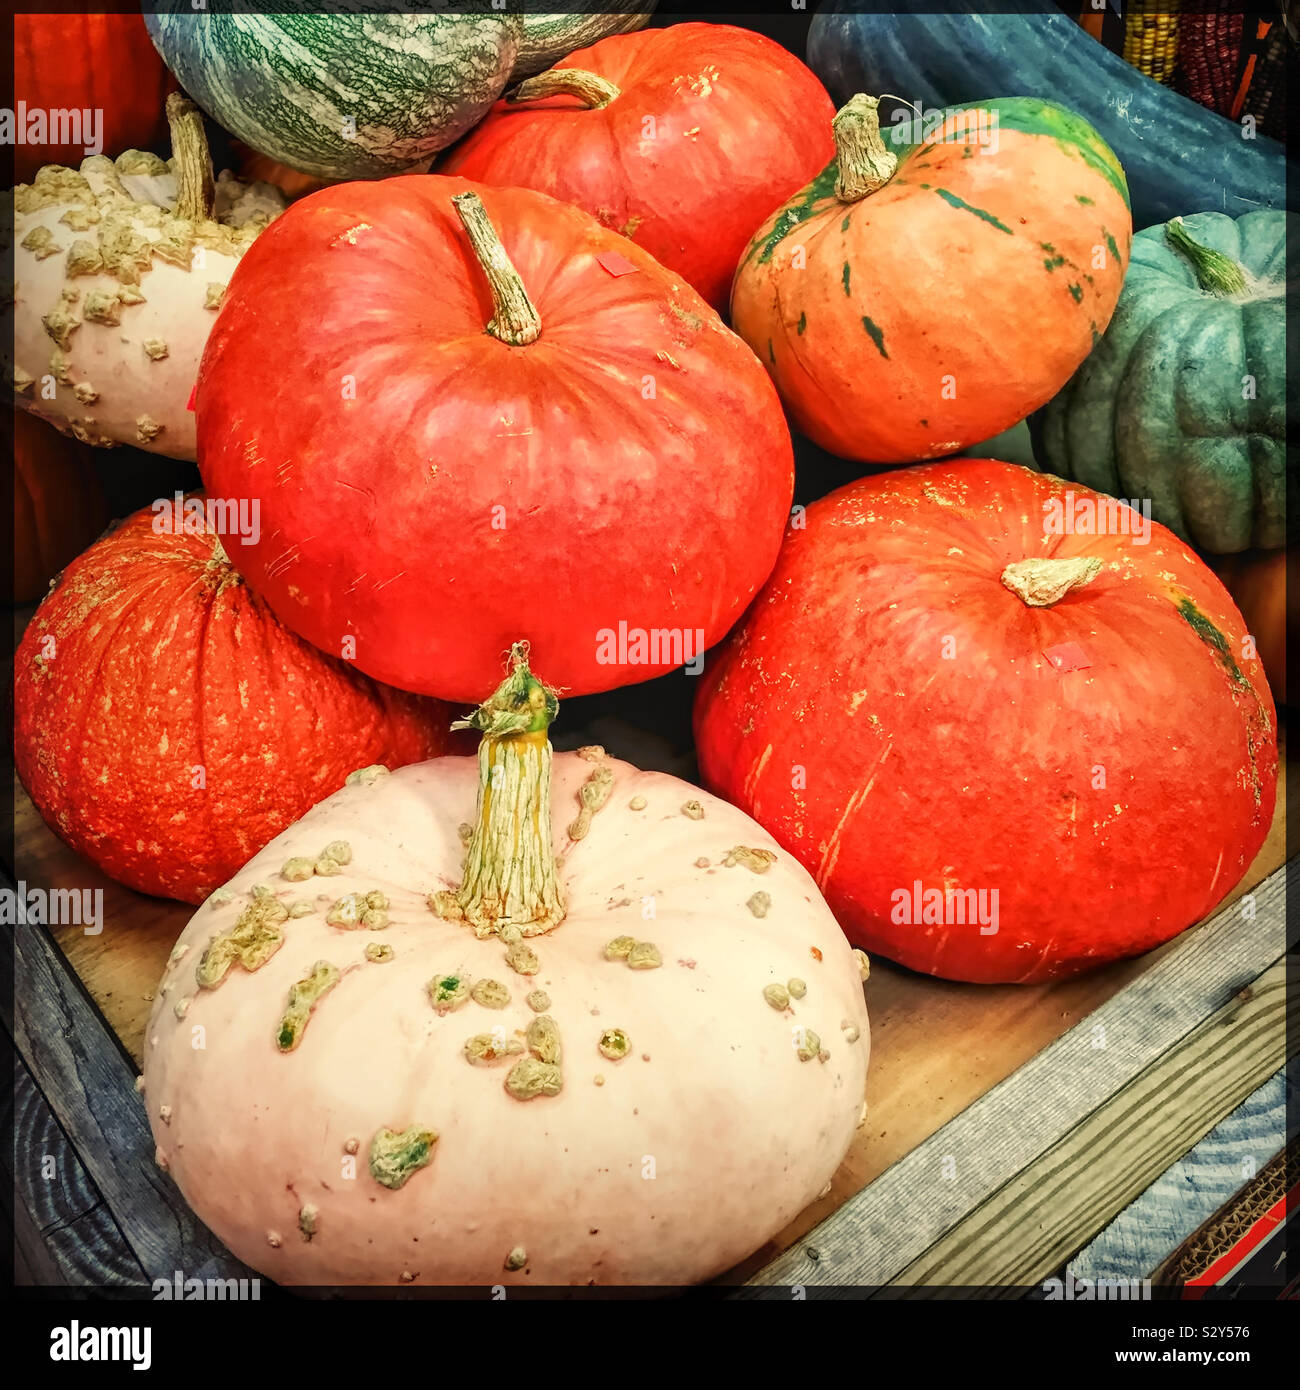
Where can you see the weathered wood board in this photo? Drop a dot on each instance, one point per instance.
(937, 1047)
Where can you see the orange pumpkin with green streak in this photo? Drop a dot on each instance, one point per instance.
(909, 304)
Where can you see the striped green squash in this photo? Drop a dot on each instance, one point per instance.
(341, 96)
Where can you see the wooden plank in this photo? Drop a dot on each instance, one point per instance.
(64, 1230)
(881, 1230)
(1029, 1227)
(90, 1085)
(33, 1260)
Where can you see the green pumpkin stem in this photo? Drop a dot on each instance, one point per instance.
(515, 322)
(865, 164)
(1215, 273)
(510, 877)
(195, 191)
(595, 92)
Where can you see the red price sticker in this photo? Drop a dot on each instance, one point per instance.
(615, 264)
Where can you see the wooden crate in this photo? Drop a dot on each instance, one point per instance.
(1006, 1124)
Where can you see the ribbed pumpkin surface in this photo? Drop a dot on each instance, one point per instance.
(167, 726)
(1184, 401)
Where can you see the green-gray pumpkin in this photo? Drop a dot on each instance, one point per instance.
(1183, 401)
(341, 96)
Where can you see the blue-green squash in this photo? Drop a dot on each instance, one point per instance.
(1183, 401)
(341, 96)
(1178, 156)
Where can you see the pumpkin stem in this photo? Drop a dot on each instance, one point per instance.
(864, 162)
(195, 190)
(510, 875)
(595, 92)
(1041, 583)
(515, 321)
(1215, 273)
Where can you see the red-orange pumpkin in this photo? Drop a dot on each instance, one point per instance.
(918, 298)
(1005, 753)
(97, 62)
(1256, 579)
(167, 726)
(59, 507)
(445, 465)
(682, 139)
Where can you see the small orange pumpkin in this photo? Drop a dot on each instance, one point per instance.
(910, 304)
(1256, 579)
(59, 507)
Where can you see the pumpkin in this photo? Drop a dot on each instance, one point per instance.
(628, 1052)
(59, 507)
(341, 96)
(1256, 579)
(119, 272)
(736, 124)
(909, 306)
(166, 726)
(95, 76)
(1184, 401)
(1011, 738)
(477, 391)
(1179, 156)
(547, 38)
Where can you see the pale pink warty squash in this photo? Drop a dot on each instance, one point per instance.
(619, 1038)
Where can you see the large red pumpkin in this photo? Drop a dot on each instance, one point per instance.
(683, 139)
(603, 470)
(102, 63)
(59, 507)
(918, 298)
(1007, 750)
(167, 726)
